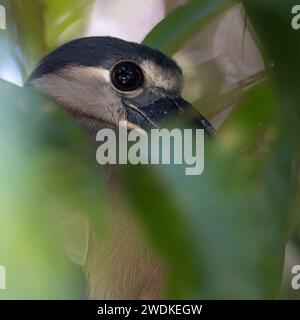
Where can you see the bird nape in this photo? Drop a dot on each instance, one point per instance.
(100, 82)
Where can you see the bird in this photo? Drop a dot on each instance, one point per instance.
(99, 82)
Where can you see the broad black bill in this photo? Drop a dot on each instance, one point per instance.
(157, 112)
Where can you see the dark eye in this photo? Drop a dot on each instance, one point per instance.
(127, 76)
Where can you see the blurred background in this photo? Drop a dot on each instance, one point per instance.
(232, 232)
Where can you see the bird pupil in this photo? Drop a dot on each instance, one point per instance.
(127, 76)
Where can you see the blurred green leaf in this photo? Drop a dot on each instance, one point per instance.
(27, 29)
(221, 233)
(184, 23)
(269, 18)
(216, 103)
(63, 24)
(39, 26)
(47, 170)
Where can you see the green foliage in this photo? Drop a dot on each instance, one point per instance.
(41, 25)
(274, 17)
(236, 217)
(47, 174)
(184, 23)
(221, 234)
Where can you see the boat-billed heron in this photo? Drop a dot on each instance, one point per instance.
(100, 81)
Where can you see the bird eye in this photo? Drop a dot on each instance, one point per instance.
(127, 76)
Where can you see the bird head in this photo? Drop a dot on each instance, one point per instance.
(102, 81)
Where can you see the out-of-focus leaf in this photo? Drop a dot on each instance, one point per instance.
(276, 16)
(269, 18)
(27, 29)
(184, 23)
(221, 233)
(65, 21)
(47, 170)
(212, 106)
(39, 26)
(167, 228)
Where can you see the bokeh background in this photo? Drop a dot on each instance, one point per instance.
(232, 232)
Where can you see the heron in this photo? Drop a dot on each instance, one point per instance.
(99, 82)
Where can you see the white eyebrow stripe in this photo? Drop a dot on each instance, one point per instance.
(99, 71)
(159, 77)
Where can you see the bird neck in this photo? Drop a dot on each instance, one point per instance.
(121, 263)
